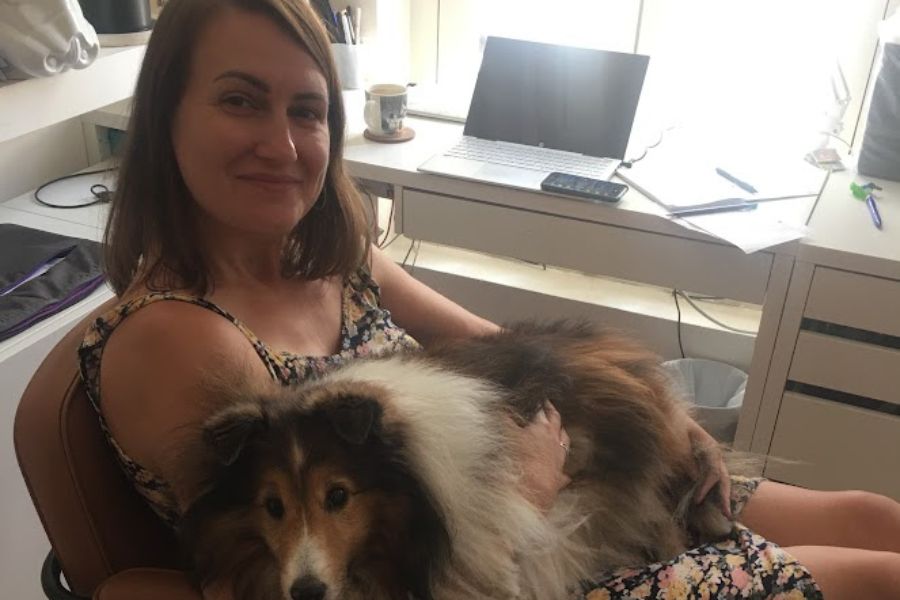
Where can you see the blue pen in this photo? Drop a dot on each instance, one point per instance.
(873, 210)
(695, 211)
(741, 184)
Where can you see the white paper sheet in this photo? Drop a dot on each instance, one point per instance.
(680, 176)
(748, 230)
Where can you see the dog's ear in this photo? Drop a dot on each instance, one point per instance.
(228, 431)
(354, 418)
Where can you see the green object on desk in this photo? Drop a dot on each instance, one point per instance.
(859, 192)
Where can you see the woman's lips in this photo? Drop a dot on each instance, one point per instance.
(271, 181)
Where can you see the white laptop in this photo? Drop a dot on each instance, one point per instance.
(539, 108)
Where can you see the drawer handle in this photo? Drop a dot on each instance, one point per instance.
(888, 408)
(851, 333)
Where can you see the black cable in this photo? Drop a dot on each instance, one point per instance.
(690, 300)
(415, 256)
(408, 252)
(101, 193)
(678, 308)
(628, 163)
(387, 228)
(390, 241)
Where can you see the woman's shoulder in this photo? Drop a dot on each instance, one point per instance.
(182, 332)
(152, 378)
(161, 349)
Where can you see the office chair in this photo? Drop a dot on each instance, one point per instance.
(104, 538)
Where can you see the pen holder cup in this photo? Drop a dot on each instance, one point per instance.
(348, 60)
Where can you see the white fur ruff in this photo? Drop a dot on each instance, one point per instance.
(457, 441)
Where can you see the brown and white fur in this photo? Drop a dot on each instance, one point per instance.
(396, 477)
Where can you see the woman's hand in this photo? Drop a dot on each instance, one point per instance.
(711, 451)
(543, 446)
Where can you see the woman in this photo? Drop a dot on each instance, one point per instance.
(236, 241)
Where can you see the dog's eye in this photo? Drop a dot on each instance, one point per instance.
(336, 498)
(274, 507)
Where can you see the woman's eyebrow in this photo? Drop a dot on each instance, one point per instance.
(247, 77)
(264, 87)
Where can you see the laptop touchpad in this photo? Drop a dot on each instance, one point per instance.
(515, 176)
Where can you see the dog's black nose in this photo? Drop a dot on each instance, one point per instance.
(308, 588)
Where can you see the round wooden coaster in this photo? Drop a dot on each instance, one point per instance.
(404, 135)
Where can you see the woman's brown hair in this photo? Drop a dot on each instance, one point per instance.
(150, 233)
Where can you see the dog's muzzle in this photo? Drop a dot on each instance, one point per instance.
(308, 588)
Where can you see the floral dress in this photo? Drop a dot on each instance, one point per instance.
(742, 566)
(366, 330)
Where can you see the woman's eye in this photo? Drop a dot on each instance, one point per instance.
(274, 507)
(239, 102)
(305, 114)
(336, 498)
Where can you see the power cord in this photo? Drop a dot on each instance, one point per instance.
(381, 243)
(678, 308)
(630, 162)
(412, 244)
(690, 300)
(101, 193)
(412, 265)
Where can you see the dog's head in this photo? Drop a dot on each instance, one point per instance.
(310, 496)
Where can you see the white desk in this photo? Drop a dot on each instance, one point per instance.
(845, 272)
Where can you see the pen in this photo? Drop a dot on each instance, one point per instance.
(873, 210)
(338, 29)
(345, 22)
(351, 24)
(741, 184)
(706, 210)
(357, 23)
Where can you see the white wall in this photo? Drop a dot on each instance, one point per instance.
(386, 33)
(29, 160)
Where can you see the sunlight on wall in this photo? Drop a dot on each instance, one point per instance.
(765, 67)
(606, 24)
(760, 66)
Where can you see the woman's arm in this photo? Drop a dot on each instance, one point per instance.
(152, 382)
(423, 312)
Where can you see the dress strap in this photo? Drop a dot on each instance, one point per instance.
(106, 323)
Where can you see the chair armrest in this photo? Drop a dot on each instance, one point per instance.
(148, 584)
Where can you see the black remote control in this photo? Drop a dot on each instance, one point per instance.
(583, 187)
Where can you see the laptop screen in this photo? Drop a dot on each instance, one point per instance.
(560, 97)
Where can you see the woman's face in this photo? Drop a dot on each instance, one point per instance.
(251, 133)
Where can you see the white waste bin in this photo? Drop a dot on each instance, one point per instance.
(717, 390)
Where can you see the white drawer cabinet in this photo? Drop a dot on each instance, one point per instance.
(831, 418)
(834, 446)
(591, 247)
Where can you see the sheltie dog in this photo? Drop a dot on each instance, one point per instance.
(397, 477)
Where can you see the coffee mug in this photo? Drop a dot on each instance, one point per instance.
(385, 108)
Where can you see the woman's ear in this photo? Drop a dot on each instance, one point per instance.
(227, 432)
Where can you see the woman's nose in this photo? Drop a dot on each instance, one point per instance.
(276, 140)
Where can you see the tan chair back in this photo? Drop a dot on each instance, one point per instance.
(96, 522)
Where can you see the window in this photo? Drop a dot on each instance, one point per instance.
(757, 65)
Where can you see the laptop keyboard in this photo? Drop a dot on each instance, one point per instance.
(530, 157)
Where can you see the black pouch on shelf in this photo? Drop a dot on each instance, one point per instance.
(880, 154)
(41, 273)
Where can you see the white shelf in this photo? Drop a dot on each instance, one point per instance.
(33, 104)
